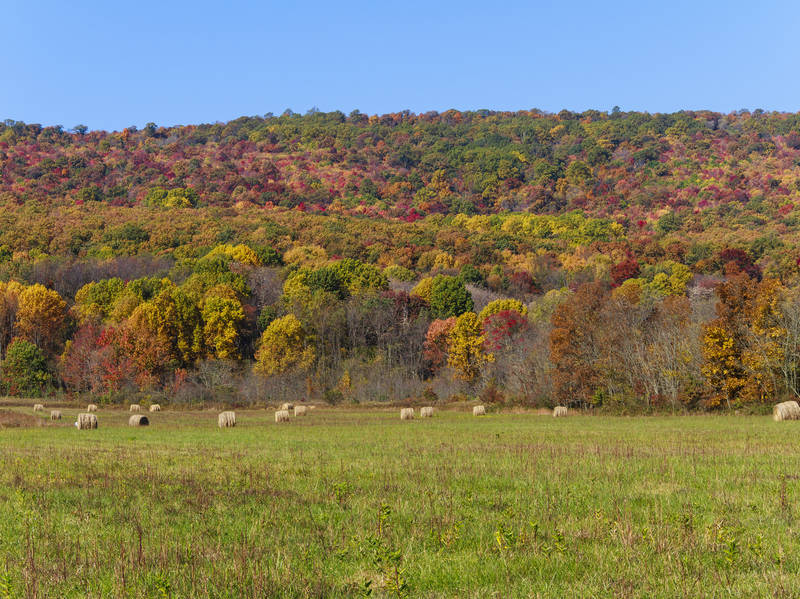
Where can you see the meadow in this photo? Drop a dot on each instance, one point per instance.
(352, 502)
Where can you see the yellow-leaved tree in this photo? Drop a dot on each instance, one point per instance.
(722, 365)
(423, 288)
(743, 348)
(765, 355)
(502, 305)
(41, 313)
(306, 255)
(285, 345)
(239, 253)
(466, 355)
(222, 317)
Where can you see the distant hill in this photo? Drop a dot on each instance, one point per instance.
(695, 179)
(631, 166)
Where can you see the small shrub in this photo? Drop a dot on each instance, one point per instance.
(429, 395)
(333, 396)
(491, 394)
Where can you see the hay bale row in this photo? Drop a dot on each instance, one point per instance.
(226, 419)
(300, 410)
(86, 421)
(138, 420)
(479, 411)
(407, 414)
(91, 407)
(787, 410)
(559, 412)
(55, 414)
(155, 408)
(426, 412)
(38, 407)
(282, 416)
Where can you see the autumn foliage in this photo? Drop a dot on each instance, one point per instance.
(599, 260)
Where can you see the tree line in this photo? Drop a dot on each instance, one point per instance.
(224, 326)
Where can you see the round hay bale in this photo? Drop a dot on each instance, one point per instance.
(426, 412)
(91, 407)
(86, 421)
(226, 419)
(282, 416)
(55, 414)
(559, 412)
(407, 414)
(287, 406)
(300, 410)
(135, 407)
(138, 420)
(786, 410)
(38, 407)
(479, 411)
(155, 408)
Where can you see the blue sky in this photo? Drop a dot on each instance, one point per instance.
(111, 64)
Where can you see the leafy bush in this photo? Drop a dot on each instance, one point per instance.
(24, 370)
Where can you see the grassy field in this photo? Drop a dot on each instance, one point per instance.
(353, 503)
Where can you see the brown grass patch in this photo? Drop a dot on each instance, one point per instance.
(11, 419)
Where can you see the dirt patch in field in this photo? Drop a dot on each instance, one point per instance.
(11, 419)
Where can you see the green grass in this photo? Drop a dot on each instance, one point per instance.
(344, 503)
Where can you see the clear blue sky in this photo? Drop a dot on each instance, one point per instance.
(110, 64)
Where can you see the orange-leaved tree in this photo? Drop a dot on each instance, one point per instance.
(575, 345)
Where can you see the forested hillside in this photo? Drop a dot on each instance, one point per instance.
(617, 260)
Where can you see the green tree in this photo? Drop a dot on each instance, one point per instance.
(470, 274)
(358, 276)
(24, 369)
(449, 297)
(578, 173)
(669, 222)
(95, 300)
